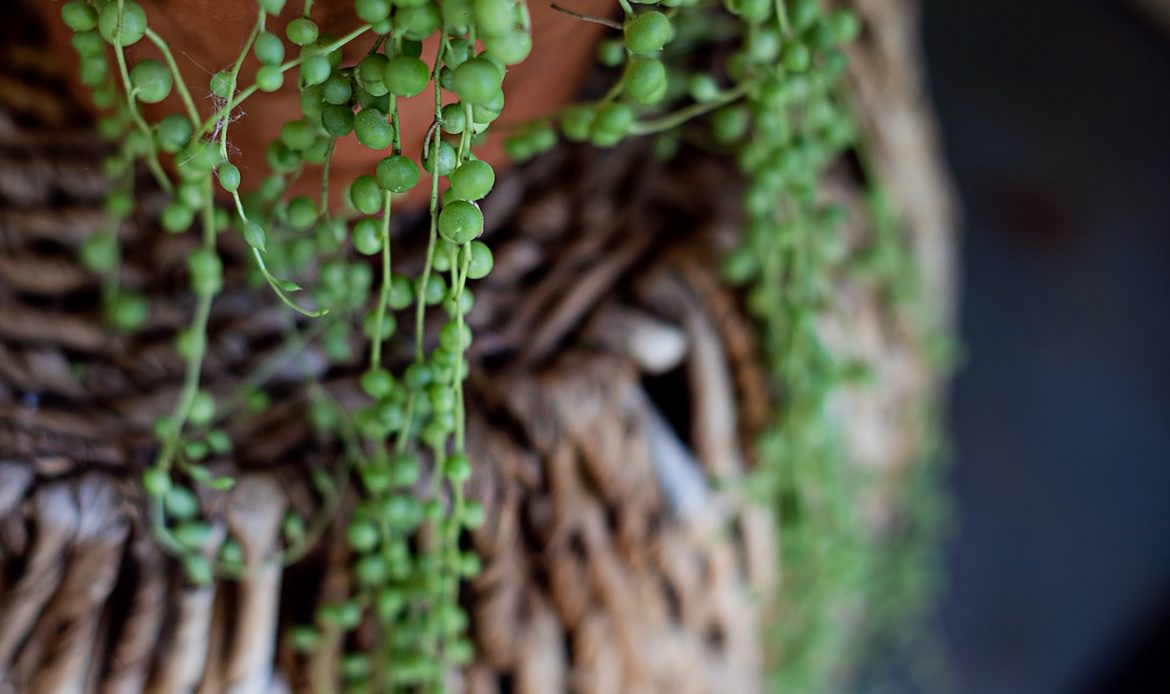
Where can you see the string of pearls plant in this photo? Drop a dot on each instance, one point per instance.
(774, 105)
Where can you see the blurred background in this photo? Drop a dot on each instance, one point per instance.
(1056, 116)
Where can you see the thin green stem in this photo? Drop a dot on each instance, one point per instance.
(460, 413)
(384, 292)
(112, 278)
(235, 74)
(782, 18)
(277, 285)
(324, 208)
(420, 313)
(295, 345)
(587, 17)
(198, 343)
(281, 293)
(432, 239)
(180, 83)
(437, 132)
(396, 123)
(151, 151)
(232, 104)
(465, 138)
(525, 18)
(674, 120)
(613, 92)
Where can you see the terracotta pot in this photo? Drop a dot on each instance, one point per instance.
(206, 36)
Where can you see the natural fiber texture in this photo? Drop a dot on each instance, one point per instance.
(615, 390)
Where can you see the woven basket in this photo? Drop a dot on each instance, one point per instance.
(614, 381)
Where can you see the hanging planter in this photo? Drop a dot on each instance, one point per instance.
(434, 358)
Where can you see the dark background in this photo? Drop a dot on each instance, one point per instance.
(1056, 116)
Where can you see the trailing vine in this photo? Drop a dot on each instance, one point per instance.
(774, 104)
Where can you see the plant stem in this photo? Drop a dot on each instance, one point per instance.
(460, 414)
(782, 17)
(151, 152)
(587, 17)
(421, 306)
(673, 120)
(325, 175)
(180, 83)
(276, 284)
(235, 73)
(384, 293)
(227, 108)
(199, 343)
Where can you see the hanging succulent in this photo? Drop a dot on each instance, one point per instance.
(755, 80)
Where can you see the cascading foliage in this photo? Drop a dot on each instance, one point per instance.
(756, 80)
